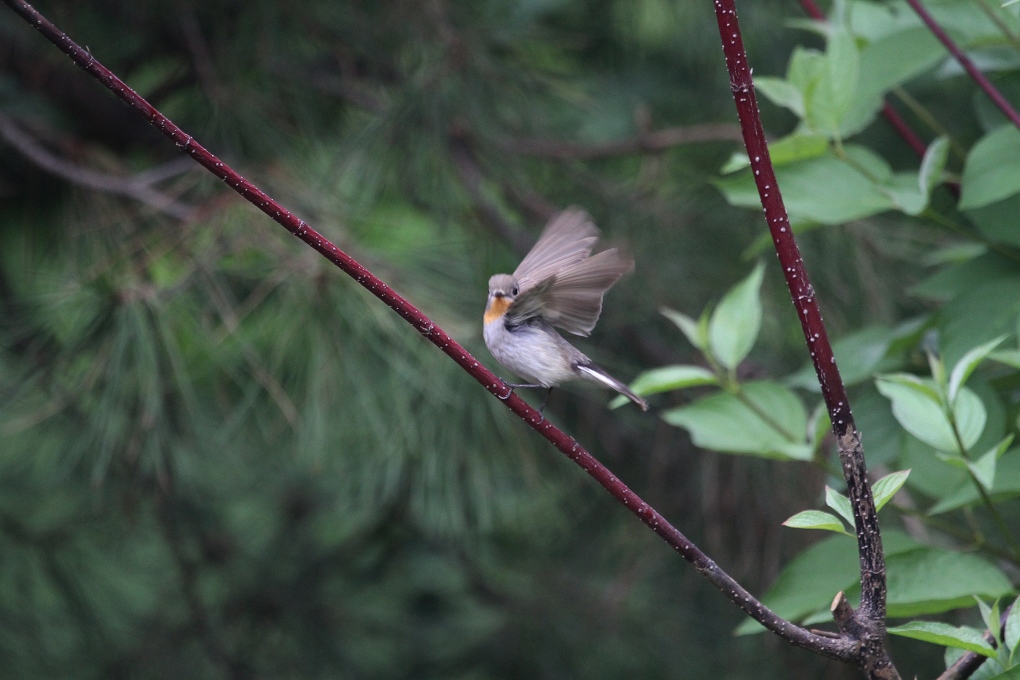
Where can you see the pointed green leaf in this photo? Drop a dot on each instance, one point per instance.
(933, 580)
(722, 422)
(917, 408)
(970, 416)
(670, 378)
(884, 489)
(857, 354)
(829, 97)
(688, 326)
(962, 637)
(736, 321)
(992, 170)
(818, 426)
(1009, 357)
(798, 146)
(816, 519)
(840, 504)
(938, 375)
(933, 164)
(967, 363)
(1011, 630)
(781, 93)
(666, 379)
(984, 468)
(990, 615)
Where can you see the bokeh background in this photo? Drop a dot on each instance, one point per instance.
(220, 458)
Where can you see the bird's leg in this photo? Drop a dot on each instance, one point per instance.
(541, 409)
(513, 386)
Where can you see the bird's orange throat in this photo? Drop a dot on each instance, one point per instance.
(496, 309)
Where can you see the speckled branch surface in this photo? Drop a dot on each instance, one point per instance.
(841, 648)
(866, 625)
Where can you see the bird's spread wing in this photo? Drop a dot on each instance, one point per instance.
(571, 298)
(567, 239)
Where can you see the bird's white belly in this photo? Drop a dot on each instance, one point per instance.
(535, 354)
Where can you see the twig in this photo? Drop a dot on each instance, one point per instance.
(649, 142)
(842, 649)
(868, 622)
(132, 187)
(966, 62)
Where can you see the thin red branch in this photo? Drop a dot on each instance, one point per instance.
(835, 648)
(966, 62)
(868, 621)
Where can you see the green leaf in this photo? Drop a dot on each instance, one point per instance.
(818, 426)
(736, 321)
(794, 147)
(996, 221)
(825, 190)
(816, 519)
(931, 580)
(933, 165)
(722, 422)
(1006, 485)
(808, 583)
(962, 637)
(884, 489)
(857, 354)
(806, 67)
(840, 504)
(1011, 630)
(915, 403)
(983, 468)
(903, 191)
(897, 57)
(992, 170)
(668, 378)
(966, 365)
(690, 328)
(970, 416)
(781, 93)
(990, 615)
(1013, 673)
(1010, 357)
(830, 97)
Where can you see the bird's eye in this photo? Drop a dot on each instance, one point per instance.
(514, 291)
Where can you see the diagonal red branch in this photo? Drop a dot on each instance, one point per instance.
(867, 624)
(966, 62)
(842, 649)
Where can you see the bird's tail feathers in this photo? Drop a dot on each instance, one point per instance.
(593, 372)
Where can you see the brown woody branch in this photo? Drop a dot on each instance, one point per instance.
(138, 187)
(864, 628)
(842, 649)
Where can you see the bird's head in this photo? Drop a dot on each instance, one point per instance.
(503, 290)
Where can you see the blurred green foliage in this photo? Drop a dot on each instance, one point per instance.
(221, 458)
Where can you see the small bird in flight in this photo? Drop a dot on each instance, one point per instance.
(559, 283)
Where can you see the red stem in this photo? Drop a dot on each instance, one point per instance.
(868, 624)
(966, 63)
(835, 648)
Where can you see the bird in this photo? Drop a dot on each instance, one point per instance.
(558, 284)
